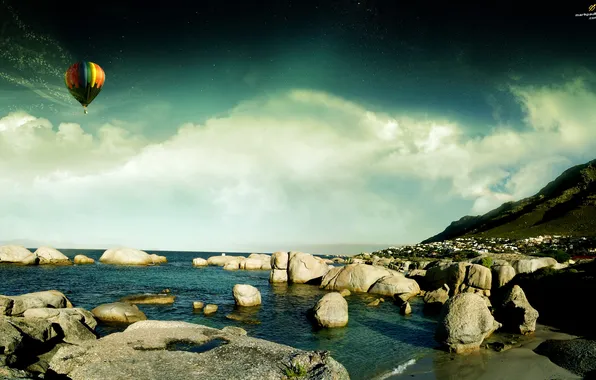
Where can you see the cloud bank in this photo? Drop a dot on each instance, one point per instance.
(297, 167)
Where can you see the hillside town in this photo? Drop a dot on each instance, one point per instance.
(575, 247)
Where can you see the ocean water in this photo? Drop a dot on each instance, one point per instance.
(378, 342)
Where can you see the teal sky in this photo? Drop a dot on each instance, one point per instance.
(306, 125)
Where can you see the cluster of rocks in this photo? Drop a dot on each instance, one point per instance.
(43, 336)
(576, 246)
(255, 261)
(15, 254)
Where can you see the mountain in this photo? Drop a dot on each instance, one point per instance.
(566, 206)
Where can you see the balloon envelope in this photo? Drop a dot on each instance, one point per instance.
(84, 81)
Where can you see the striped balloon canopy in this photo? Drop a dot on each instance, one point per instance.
(84, 81)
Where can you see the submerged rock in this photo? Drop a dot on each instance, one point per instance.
(82, 259)
(159, 350)
(465, 321)
(331, 310)
(118, 312)
(149, 299)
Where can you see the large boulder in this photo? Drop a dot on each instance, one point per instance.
(397, 286)
(278, 276)
(331, 310)
(279, 260)
(10, 337)
(575, 355)
(465, 321)
(516, 313)
(532, 265)
(502, 274)
(17, 305)
(160, 350)
(82, 259)
(354, 277)
(51, 256)
(435, 299)
(76, 324)
(126, 256)
(452, 274)
(223, 260)
(478, 276)
(199, 262)
(121, 312)
(305, 268)
(246, 295)
(16, 254)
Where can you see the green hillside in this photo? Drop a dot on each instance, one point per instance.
(566, 206)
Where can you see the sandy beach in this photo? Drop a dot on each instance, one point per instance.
(518, 362)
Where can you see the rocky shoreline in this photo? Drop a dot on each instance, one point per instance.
(476, 295)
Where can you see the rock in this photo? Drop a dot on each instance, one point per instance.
(305, 268)
(516, 313)
(246, 295)
(75, 332)
(397, 286)
(502, 274)
(222, 260)
(416, 273)
(51, 256)
(53, 315)
(452, 274)
(82, 259)
(16, 254)
(278, 276)
(149, 299)
(10, 337)
(532, 265)
(331, 311)
(345, 292)
(157, 259)
(199, 262)
(354, 277)
(434, 300)
(197, 305)
(465, 321)
(253, 264)
(118, 312)
(376, 302)
(575, 355)
(159, 350)
(405, 308)
(48, 298)
(126, 256)
(478, 276)
(232, 265)
(209, 309)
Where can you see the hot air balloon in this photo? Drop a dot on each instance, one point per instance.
(84, 81)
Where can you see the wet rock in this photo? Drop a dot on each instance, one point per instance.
(331, 311)
(198, 305)
(150, 299)
(464, 323)
(405, 308)
(209, 309)
(82, 259)
(118, 312)
(345, 292)
(246, 295)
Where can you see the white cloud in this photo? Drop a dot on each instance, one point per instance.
(301, 166)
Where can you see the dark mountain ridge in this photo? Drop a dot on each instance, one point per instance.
(565, 206)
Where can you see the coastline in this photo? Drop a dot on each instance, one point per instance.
(518, 362)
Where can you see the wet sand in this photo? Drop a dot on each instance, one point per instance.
(518, 362)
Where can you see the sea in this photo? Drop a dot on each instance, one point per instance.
(378, 342)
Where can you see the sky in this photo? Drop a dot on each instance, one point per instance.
(333, 126)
